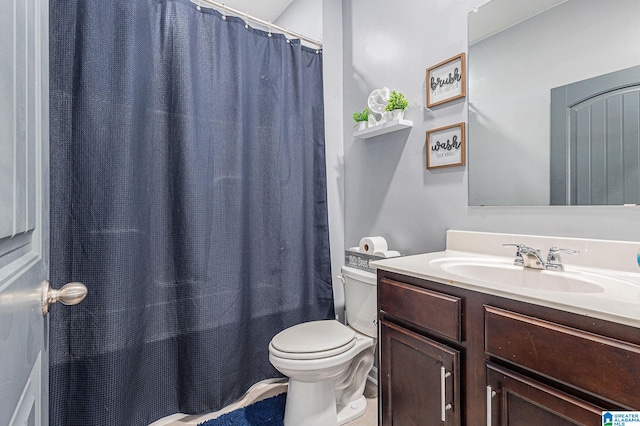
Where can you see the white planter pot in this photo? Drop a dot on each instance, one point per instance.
(361, 125)
(397, 114)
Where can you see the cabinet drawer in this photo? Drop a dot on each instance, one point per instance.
(602, 366)
(427, 309)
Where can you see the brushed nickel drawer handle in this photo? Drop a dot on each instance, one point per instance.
(443, 394)
(490, 394)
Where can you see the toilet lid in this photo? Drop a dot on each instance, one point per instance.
(315, 339)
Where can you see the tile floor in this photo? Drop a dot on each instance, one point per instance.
(265, 390)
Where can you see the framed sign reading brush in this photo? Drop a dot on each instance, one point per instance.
(447, 81)
(445, 146)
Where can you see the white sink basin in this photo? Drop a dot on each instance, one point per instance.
(497, 272)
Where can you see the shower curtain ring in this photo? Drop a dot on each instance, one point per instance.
(246, 20)
(224, 12)
(269, 29)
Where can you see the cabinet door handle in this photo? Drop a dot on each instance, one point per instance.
(490, 394)
(443, 394)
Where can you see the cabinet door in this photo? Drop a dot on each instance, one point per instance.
(420, 380)
(520, 401)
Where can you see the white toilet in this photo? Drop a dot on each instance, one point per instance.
(327, 362)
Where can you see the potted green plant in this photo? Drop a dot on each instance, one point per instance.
(361, 119)
(396, 105)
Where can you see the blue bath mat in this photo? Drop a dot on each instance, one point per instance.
(268, 412)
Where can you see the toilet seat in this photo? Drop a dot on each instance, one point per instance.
(313, 340)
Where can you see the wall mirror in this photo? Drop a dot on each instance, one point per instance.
(519, 50)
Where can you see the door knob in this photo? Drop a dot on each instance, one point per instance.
(69, 294)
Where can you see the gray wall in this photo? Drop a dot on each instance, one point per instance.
(387, 189)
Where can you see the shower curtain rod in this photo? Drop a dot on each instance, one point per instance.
(269, 25)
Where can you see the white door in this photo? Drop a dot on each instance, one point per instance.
(24, 212)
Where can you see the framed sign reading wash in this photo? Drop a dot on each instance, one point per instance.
(445, 146)
(447, 81)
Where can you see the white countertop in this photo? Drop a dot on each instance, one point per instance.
(619, 302)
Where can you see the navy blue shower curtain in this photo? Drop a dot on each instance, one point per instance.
(188, 192)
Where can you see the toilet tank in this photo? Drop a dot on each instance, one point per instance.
(360, 300)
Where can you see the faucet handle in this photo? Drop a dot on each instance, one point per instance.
(519, 261)
(553, 258)
(553, 253)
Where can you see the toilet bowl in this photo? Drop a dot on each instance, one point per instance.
(324, 386)
(328, 362)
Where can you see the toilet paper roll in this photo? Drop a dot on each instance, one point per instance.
(371, 245)
(387, 253)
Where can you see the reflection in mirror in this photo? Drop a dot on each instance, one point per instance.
(595, 140)
(512, 70)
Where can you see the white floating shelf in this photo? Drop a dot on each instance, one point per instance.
(381, 129)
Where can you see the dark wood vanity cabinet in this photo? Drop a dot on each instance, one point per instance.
(502, 361)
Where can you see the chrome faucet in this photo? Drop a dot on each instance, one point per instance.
(529, 257)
